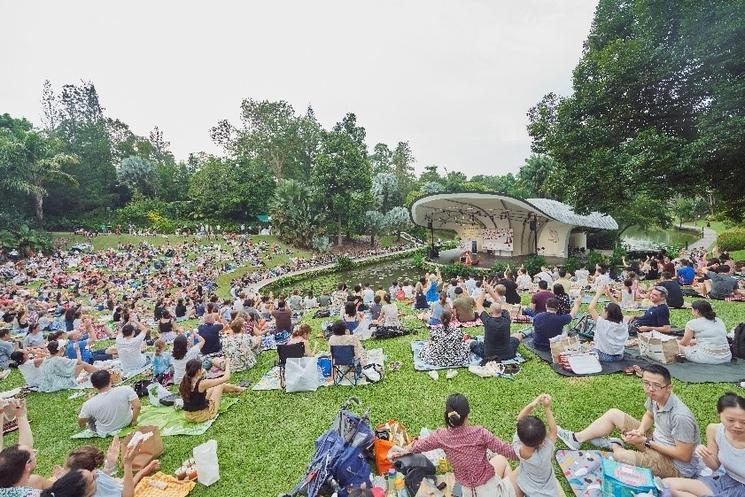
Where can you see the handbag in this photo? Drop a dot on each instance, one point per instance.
(658, 347)
(301, 374)
(561, 344)
(150, 449)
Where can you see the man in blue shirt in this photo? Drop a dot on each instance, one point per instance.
(657, 317)
(549, 324)
(686, 273)
(86, 354)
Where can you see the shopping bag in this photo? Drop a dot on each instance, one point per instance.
(205, 457)
(301, 374)
(150, 447)
(155, 392)
(658, 347)
(624, 480)
(587, 363)
(561, 344)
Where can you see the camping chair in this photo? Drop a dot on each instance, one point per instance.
(343, 362)
(284, 352)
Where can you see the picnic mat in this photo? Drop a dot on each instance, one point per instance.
(270, 380)
(474, 360)
(583, 471)
(690, 372)
(175, 488)
(170, 421)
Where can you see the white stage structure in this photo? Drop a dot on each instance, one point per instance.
(506, 226)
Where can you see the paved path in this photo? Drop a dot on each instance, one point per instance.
(706, 242)
(261, 284)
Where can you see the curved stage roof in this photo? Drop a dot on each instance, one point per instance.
(486, 210)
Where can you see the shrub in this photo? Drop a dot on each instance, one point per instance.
(344, 263)
(618, 254)
(533, 263)
(418, 261)
(499, 267)
(731, 239)
(449, 271)
(572, 264)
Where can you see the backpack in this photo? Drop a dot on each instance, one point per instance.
(738, 344)
(140, 388)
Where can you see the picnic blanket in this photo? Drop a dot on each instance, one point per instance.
(112, 364)
(270, 380)
(170, 421)
(608, 367)
(583, 471)
(690, 372)
(474, 360)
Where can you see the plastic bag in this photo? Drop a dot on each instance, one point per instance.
(205, 457)
(301, 374)
(155, 392)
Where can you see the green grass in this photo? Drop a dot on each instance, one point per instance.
(717, 226)
(738, 255)
(266, 440)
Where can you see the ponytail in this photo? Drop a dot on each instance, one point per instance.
(456, 410)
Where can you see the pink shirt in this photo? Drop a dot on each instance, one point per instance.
(465, 447)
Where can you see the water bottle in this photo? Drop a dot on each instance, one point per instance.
(391, 483)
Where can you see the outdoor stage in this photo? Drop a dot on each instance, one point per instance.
(486, 261)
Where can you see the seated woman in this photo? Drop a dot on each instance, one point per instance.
(301, 334)
(420, 299)
(435, 280)
(561, 296)
(438, 308)
(167, 328)
(341, 336)
(182, 354)
(446, 346)
(724, 454)
(59, 372)
(611, 332)
(202, 396)
(351, 317)
(705, 338)
(238, 347)
(627, 295)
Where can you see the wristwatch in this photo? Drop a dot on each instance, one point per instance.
(648, 443)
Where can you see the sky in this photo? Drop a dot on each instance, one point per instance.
(453, 78)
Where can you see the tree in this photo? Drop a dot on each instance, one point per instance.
(139, 175)
(684, 209)
(32, 162)
(431, 187)
(295, 214)
(385, 190)
(381, 159)
(397, 220)
(342, 175)
(537, 177)
(402, 161)
(375, 222)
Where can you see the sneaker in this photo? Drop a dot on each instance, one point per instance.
(434, 375)
(567, 437)
(606, 443)
(452, 373)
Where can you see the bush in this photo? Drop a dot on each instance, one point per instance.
(449, 271)
(572, 264)
(533, 263)
(344, 263)
(618, 254)
(499, 267)
(418, 261)
(594, 258)
(731, 239)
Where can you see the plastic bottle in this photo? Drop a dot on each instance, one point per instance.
(391, 483)
(400, 487)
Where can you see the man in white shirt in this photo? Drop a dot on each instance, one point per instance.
(129, 348)
(545, 275)
(111, 409)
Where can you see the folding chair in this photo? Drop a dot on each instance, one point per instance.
(343, 362)
(284, 352)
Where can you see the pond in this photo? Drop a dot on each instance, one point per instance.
(651, 239)
(377, 275)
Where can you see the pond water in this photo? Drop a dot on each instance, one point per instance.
(378, 274)
(651, 239)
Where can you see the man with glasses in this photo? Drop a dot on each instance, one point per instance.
(669, 451)
(657, 317)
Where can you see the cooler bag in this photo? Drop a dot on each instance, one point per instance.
(624, 480)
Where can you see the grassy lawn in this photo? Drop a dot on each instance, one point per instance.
(738, 255)
(717, 226)
(266, 440)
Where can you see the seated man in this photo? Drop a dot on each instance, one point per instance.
(88, 355)
(674, 292)
(498, 343)
(539, 299)
(669, 451)
(657, 317)
(463, 305)
(549, 324)
(129, 348)
(111, 409)
(686, 273)
(210, 331)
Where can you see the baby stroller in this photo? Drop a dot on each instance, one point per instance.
(341, 460)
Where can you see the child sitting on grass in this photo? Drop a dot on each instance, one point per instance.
(535, 448)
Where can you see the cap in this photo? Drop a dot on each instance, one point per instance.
(661, 289)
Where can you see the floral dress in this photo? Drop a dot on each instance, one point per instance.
(446, 347)
(240, 350)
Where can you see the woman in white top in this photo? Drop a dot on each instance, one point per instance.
(611, 332)
(705, 338)
(182, 354)
(724, 454)
(389, 313)
(523, 281)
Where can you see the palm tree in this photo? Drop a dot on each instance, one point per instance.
(295, 215)
(30, 163)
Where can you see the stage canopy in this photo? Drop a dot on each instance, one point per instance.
(509, 226)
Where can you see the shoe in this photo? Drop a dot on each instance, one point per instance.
(452, 373)
(567, 437)
(606, 443)
(434, 375)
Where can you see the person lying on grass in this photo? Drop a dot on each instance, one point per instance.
(669, 451)
(534, 447)
(466, 448)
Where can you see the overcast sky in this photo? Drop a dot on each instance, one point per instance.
(454, 78)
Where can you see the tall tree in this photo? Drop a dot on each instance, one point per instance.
(381, 159)
(402, 161)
